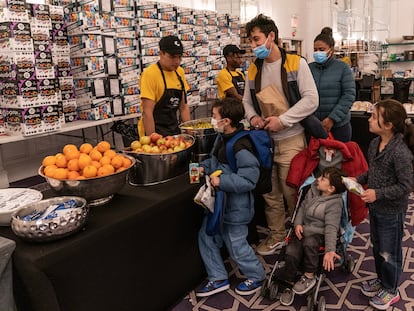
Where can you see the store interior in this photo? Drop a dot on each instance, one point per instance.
(376, 35)
(360, 27)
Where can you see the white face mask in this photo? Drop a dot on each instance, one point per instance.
(215, 125)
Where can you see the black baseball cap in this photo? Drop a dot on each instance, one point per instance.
(172, 45)
(231, 48)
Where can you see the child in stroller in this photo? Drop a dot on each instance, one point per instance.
(317, 220)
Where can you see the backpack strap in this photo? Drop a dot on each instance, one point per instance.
(230, 149)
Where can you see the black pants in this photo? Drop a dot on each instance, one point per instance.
(301, 256)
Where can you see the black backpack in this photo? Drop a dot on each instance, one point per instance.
(263, 145)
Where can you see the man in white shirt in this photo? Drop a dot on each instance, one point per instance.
(292, 78)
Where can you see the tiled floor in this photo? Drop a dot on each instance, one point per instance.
(341, 289)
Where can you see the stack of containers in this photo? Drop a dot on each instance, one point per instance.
(127, 54)
(245, 45)
(32, 35)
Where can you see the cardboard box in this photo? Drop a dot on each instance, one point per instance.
(50, 118)
(25, 121)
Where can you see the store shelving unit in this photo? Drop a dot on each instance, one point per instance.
(389, 65)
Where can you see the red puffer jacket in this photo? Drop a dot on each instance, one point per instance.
(353, 163)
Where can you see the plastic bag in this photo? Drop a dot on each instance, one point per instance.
(206, 196)
(352, 186)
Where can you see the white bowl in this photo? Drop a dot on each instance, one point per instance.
(13, 199)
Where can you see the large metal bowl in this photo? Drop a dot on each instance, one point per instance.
(42, 230)
(205, 136)
(152, 168)
(97, 190)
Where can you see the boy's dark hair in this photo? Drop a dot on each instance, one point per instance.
(326, 36)
(335, 178)
(265, 24)
(394, 112)
(230, 108)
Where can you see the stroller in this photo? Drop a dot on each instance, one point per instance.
(311, 161)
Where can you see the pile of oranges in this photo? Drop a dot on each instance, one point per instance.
(87, 161)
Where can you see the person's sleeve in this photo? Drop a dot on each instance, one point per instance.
(224, 82)
(347, 98)
(309, 101)
(403, 169)
(332, 220)
(247, 174)
(247, 97)
(148, 85)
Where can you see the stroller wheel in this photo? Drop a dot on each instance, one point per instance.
(350, 264)
(311, 302)
(264, 291)
(321, 304)
(273, 291)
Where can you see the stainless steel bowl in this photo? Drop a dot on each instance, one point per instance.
(205, 137)
(152, 169)
(97, 190)
(42, 230)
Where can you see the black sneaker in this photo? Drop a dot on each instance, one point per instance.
(213, 287)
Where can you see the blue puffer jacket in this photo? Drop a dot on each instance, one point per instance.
(336, 87)
(238, 186)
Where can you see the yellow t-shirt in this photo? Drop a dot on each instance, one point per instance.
(224, 81)
(152, 87)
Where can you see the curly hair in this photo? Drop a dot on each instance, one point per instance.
(265, 24)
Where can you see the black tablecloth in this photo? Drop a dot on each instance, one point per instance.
(137, 252)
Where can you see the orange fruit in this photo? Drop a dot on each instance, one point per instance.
(96, 164)
(68, 148)
(120, 169)
(105, 160)
(73, 175)
(60, 173)
(49, 160)
(72, 154)
(81, 177)
(102, 146)
(73, 165)
(85, 148)
(117, 161)
(49, 170)
(95, 154)
(126, 162)
(89, 171)
(84, 160)
(110, 153)
(106, 169)
(61, 161)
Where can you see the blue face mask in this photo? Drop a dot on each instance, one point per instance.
(262, 51)
(320, 57)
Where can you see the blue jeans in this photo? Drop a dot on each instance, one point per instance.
(234, 237)
(386, 239)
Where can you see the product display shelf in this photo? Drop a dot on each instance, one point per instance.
(68, 127)
(392, 59)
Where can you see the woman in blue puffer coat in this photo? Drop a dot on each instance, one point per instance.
(336, 87)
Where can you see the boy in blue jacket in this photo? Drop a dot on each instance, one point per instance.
(239, 209)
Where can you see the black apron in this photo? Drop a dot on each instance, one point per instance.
(165, 110)
(238, 82)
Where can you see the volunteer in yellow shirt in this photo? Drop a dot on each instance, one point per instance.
(230, 81)
(163, 91)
